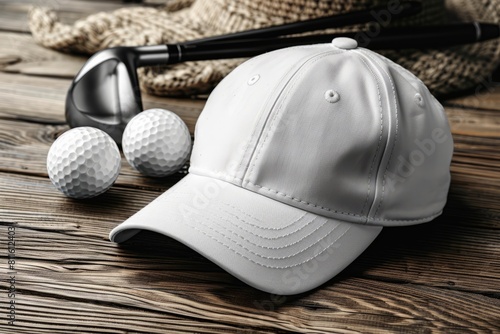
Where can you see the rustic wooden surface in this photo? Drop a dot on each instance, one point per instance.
(437, 277)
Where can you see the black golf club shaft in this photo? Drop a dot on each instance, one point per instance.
(386, 12)
(393, 39)
(105, 93)
(383, 14)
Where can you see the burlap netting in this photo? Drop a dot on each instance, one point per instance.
(444, 71)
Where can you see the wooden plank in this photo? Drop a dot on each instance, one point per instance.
(8, 59)
(38, 314)
(159, 277)
(441, 254)
(487, 98)
(41, 99)
(23, 48)
(473, 122)
(56, 68)
(32, 99)
(13, 15)
(351, 310)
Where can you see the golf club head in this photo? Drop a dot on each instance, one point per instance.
(105, 94)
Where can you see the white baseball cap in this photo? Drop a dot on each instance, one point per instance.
(301, 156)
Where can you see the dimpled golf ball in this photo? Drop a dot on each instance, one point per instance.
(156, 142)
(83, 162)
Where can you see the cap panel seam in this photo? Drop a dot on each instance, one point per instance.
(207, 173)
(295, 199)
(396, 109)
(370, 174)
(240, 165)
(260, 146)
(415, 220)
(407, 72)
(273, 121)
(400, 67)
(257, 132)
(219, 175)
(346, 213)
(224, 177)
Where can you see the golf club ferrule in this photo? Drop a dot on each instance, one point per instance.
(151, 55)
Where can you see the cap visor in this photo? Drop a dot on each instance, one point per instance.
(269, 245)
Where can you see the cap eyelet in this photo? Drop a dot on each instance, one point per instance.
(419, 100)
(332, 96)
(253, 80)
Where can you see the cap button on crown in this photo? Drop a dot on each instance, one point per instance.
(345, 43)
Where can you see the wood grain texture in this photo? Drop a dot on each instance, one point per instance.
(13, 14)
(441, 277)
(41, 100)
(20, 49)
(154, 274)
